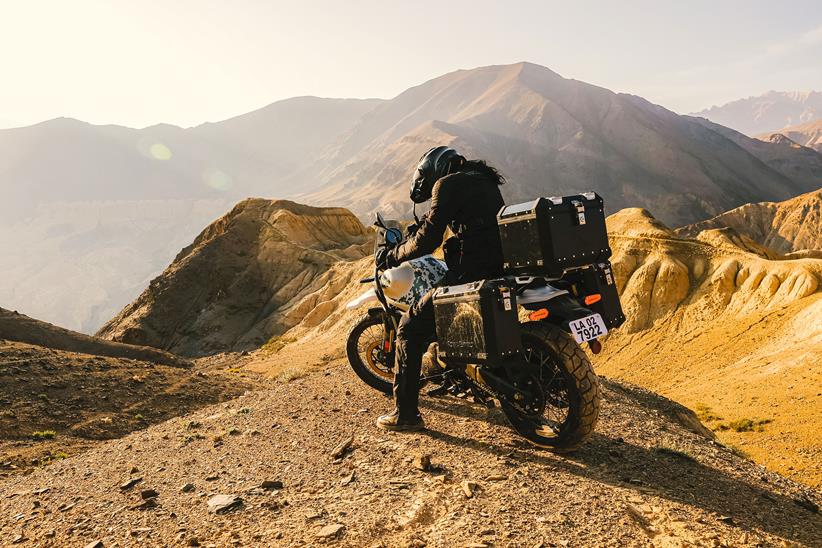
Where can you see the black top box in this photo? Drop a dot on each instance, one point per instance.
(548, 236)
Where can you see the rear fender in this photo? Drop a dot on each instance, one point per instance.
(564, 309)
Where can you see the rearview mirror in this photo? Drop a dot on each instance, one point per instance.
(393, 236)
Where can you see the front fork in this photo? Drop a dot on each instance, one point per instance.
(389, 337)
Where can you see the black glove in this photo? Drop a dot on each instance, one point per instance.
(385, 257)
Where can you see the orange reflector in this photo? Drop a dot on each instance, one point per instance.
(537, 315)
(591, 299)
(387, 346)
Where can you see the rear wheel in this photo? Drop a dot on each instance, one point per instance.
(562, 408)
(367, 356)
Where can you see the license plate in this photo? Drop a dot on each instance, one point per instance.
(587, 328)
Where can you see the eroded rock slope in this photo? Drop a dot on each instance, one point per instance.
(241, 281)
(717, 325)
(794, 225)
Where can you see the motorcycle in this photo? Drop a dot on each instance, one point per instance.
(550, 394)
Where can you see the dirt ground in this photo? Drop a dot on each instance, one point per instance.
(54, 403)
(647, 478)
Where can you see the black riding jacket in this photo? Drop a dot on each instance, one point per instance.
(468, 203)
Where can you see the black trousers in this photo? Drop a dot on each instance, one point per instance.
(415, 333)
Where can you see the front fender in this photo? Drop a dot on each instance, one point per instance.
(366, 298)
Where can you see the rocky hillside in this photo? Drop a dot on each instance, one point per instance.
(55, 403)
(767, 112)
(244, 279)
(303, 464)
(791, 226)
(550, 135)
(809, 135)
(20, 328)
(713, 323)
(716, 322)
(723, 329)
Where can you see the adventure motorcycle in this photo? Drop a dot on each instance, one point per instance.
(549, 393)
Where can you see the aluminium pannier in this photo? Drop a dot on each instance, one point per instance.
(477, 322)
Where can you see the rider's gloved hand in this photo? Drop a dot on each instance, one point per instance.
(385, 258)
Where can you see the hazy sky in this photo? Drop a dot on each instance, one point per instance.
(139, 62)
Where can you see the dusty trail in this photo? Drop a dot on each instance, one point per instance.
(644, 479)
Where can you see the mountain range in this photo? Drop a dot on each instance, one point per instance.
(768, 112)
(552, 135)
(94, 212)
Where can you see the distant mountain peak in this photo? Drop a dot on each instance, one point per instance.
(768, 112)
(781, 139)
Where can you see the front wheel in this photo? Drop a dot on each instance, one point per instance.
(367, 356)
(563, 405)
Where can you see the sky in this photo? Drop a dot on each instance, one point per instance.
(185, 62)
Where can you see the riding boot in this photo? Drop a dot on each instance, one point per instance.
(406, 415)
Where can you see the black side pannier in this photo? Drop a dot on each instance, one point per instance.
(548, 236)
(477, 322)
(598, 279)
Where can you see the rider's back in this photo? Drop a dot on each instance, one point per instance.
(471, 200)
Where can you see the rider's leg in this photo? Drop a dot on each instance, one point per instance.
(415, 332)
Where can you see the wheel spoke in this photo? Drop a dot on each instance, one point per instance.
(369, 350)
(555, 406)
(369, 335)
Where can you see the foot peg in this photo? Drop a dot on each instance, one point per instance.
(438, 391)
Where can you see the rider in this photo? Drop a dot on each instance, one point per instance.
(466, 198)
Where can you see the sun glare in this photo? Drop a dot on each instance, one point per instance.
(159, 151)
(218, 180)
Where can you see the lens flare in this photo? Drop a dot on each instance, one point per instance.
(217, 179)
(159, 151)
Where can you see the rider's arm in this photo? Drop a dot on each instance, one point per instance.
(432, 226)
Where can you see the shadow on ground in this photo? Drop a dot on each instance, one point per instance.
(676, 476)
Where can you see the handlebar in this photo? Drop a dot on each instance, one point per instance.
(380, 224)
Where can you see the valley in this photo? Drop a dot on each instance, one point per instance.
(91, 213)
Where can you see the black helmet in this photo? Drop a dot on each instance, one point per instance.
(434, 164)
